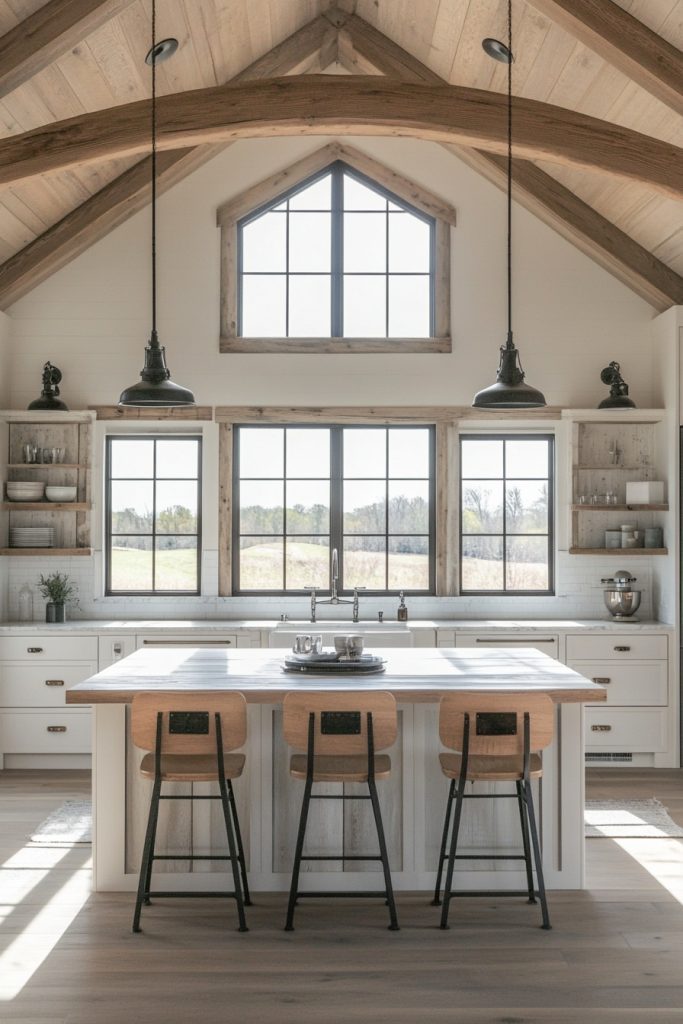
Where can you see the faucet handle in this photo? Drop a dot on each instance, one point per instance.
(308, 586)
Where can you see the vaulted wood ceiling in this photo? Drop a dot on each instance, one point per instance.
(72, 57)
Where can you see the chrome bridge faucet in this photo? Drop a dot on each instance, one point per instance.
(334, 597)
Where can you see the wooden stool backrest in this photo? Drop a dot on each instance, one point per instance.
(454, 706)
(298, 706)
(232, 708)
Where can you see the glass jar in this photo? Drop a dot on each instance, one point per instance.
(26, 604)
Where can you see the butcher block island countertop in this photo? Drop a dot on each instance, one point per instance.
(412, 675)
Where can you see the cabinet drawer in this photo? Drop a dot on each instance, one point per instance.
(40, 686)
(48, 648)
(45, 732)
(616, 645)
(545, 642)
(634, 683)
(634, 730)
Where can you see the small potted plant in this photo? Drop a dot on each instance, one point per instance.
(57, 589)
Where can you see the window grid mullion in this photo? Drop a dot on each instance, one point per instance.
(337, 254)
(337, 497)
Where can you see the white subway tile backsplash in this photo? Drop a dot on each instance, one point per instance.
(579, 595)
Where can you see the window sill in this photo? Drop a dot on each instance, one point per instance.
(324, 346)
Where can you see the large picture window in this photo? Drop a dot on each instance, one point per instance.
(153, 515)
(506, 514)
(301, 491)
(338, 256)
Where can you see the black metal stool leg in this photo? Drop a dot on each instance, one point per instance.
(459, 800)
(240, 847)
(389, 889)
(294, 887)
(529, 801)
(234, 859)
(147, 854)
(527, 846)
(436, 902)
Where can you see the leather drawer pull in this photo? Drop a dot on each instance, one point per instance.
(602, 680)
(54, 682)
(62, 728)
(34, 650)
(601, 728)
(622, 648)
(186, 643)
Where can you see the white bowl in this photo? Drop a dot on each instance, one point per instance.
(54, 493)
(20, 491)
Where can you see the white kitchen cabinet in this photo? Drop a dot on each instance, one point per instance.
(545, 642)
(37, 730)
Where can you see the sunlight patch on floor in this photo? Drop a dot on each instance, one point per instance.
(661, 858)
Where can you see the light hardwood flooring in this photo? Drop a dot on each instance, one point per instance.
(68, 956)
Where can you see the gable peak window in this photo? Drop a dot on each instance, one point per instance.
(339, 261)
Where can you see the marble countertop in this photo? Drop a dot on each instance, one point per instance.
(411, 675)
(207, 626)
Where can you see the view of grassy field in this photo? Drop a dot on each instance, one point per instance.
(131, 569)
(307, 564)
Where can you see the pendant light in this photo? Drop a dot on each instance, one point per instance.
(155, 388)
(510, 390)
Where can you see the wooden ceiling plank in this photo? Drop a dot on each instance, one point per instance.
(347, 105)
(130, 191)
(538, 191)
(625, 42)
(46, 35)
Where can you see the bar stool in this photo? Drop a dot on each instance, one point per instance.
(498, 739)
(341, 733)
(190, 736)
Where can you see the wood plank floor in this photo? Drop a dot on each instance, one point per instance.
(68, 956)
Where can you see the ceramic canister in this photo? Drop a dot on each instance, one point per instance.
(654, 537)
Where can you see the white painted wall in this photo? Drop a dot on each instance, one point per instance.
(93, 317)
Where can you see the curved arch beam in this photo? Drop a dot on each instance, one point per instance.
(325, 105)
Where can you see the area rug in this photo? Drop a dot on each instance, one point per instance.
(629, 819)
(68, 825)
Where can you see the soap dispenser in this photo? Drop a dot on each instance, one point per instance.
(402, 610)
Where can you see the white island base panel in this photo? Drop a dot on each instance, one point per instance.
(413, 805)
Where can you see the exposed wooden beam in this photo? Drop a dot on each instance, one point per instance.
(131, 191)
(324, 105)
(363, 48)
(46, 35)
(625, 42)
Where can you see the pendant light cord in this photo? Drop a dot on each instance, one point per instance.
(509, 173)
(154, 171)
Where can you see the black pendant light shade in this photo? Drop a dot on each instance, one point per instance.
(155, 387)
(510, 390)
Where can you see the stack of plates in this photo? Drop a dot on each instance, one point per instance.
(32, 537)
(25, 490)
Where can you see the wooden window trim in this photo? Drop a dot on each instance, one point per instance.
(230, 213)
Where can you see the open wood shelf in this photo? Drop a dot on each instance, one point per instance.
(45, 506)
(622, 552)
(46, 552)
(630, 469)
(620, 508)
(47, 465)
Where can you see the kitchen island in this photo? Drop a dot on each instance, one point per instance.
(413, 799)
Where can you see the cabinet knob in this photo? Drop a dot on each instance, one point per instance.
(622, 648)
(62, 728)
(34, 650)
(601, 728)
(54, 682)
(602, 680)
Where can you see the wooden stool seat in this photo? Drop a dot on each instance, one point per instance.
(491, 769)
(342, 768)
(192, 767)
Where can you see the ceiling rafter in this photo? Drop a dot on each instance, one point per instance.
(47, 34)
(362, 49)
(626, 43)
(324, 105)
(131, 191)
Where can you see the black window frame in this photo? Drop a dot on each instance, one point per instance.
(337, 169)
(336, 533)
(110, 439)
(504, 591)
